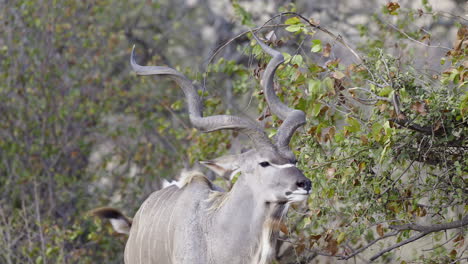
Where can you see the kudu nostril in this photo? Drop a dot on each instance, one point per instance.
(305, 184)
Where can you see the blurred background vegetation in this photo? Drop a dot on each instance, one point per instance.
(383, 84)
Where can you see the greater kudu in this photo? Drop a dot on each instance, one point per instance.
(193, 222)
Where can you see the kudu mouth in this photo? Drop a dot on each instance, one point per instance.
(302, 191)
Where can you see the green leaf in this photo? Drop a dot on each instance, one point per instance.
(385, 91)
(287, 57)
(341, 237)
(315, 89)
(353, 125)
(293, 28)
(246, 17)
(316, 109)
(297, 59)
(376, 131)
(292, 21)
(316, 45)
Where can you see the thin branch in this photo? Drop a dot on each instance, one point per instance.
(338, 160)
(409, 240)
(441, 245)
(424, 231)
(427, 130)
(324, 30)
(318, 27)
(415, 40)
(218, 49)
(403, 121)
(369, 245)
(397, 179)
(458, 260)
(444, 14)
(432, 228)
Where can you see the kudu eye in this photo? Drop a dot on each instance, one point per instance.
(264, 164)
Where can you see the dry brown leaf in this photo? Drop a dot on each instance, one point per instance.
(462, 39)
(420, 12)
(382, 107)
(338, 75)
(364, 140)
(327, 50)
(330, 172)
(312, 130)
(328, 133)
(380, 230)
(422, 212)
(332, 246)
(333, 63)
(315, 237)
(300, 248)
(392, 7)
(460, 241)
(425, 37)
(419, 107)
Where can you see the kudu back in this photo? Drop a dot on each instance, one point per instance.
(192, 221)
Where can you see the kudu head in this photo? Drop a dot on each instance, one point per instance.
(269, 169)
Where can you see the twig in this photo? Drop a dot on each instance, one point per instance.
(338, 160)
(369, 245)
(218, 49)
(427, 130)
(441, 245)
(374, 96)
(318, 27)
(398, 178)
(409, 240)
(432, 228)
(424, 231)
(324, 30)
(415, 40)
(458, 260)
(444, 14)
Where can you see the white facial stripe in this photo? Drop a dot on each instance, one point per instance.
(282, 166)
(293, 198)
(300, 191)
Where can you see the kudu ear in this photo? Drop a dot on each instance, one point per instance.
(118, 220)
(226, 166)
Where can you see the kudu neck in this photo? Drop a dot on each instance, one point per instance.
(246, 221)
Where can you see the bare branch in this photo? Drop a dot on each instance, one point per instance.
(409, 240)
(369, 245)
(424, 231)
(432, 228)
(412, 39)
(397, 179)
(404, 122)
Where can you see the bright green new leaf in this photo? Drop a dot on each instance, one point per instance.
(292, 21)
(294, 28)
(341, 237)
(316, 45)
(353, 125)
(297, 59)
(385, 91)
(316, 109)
